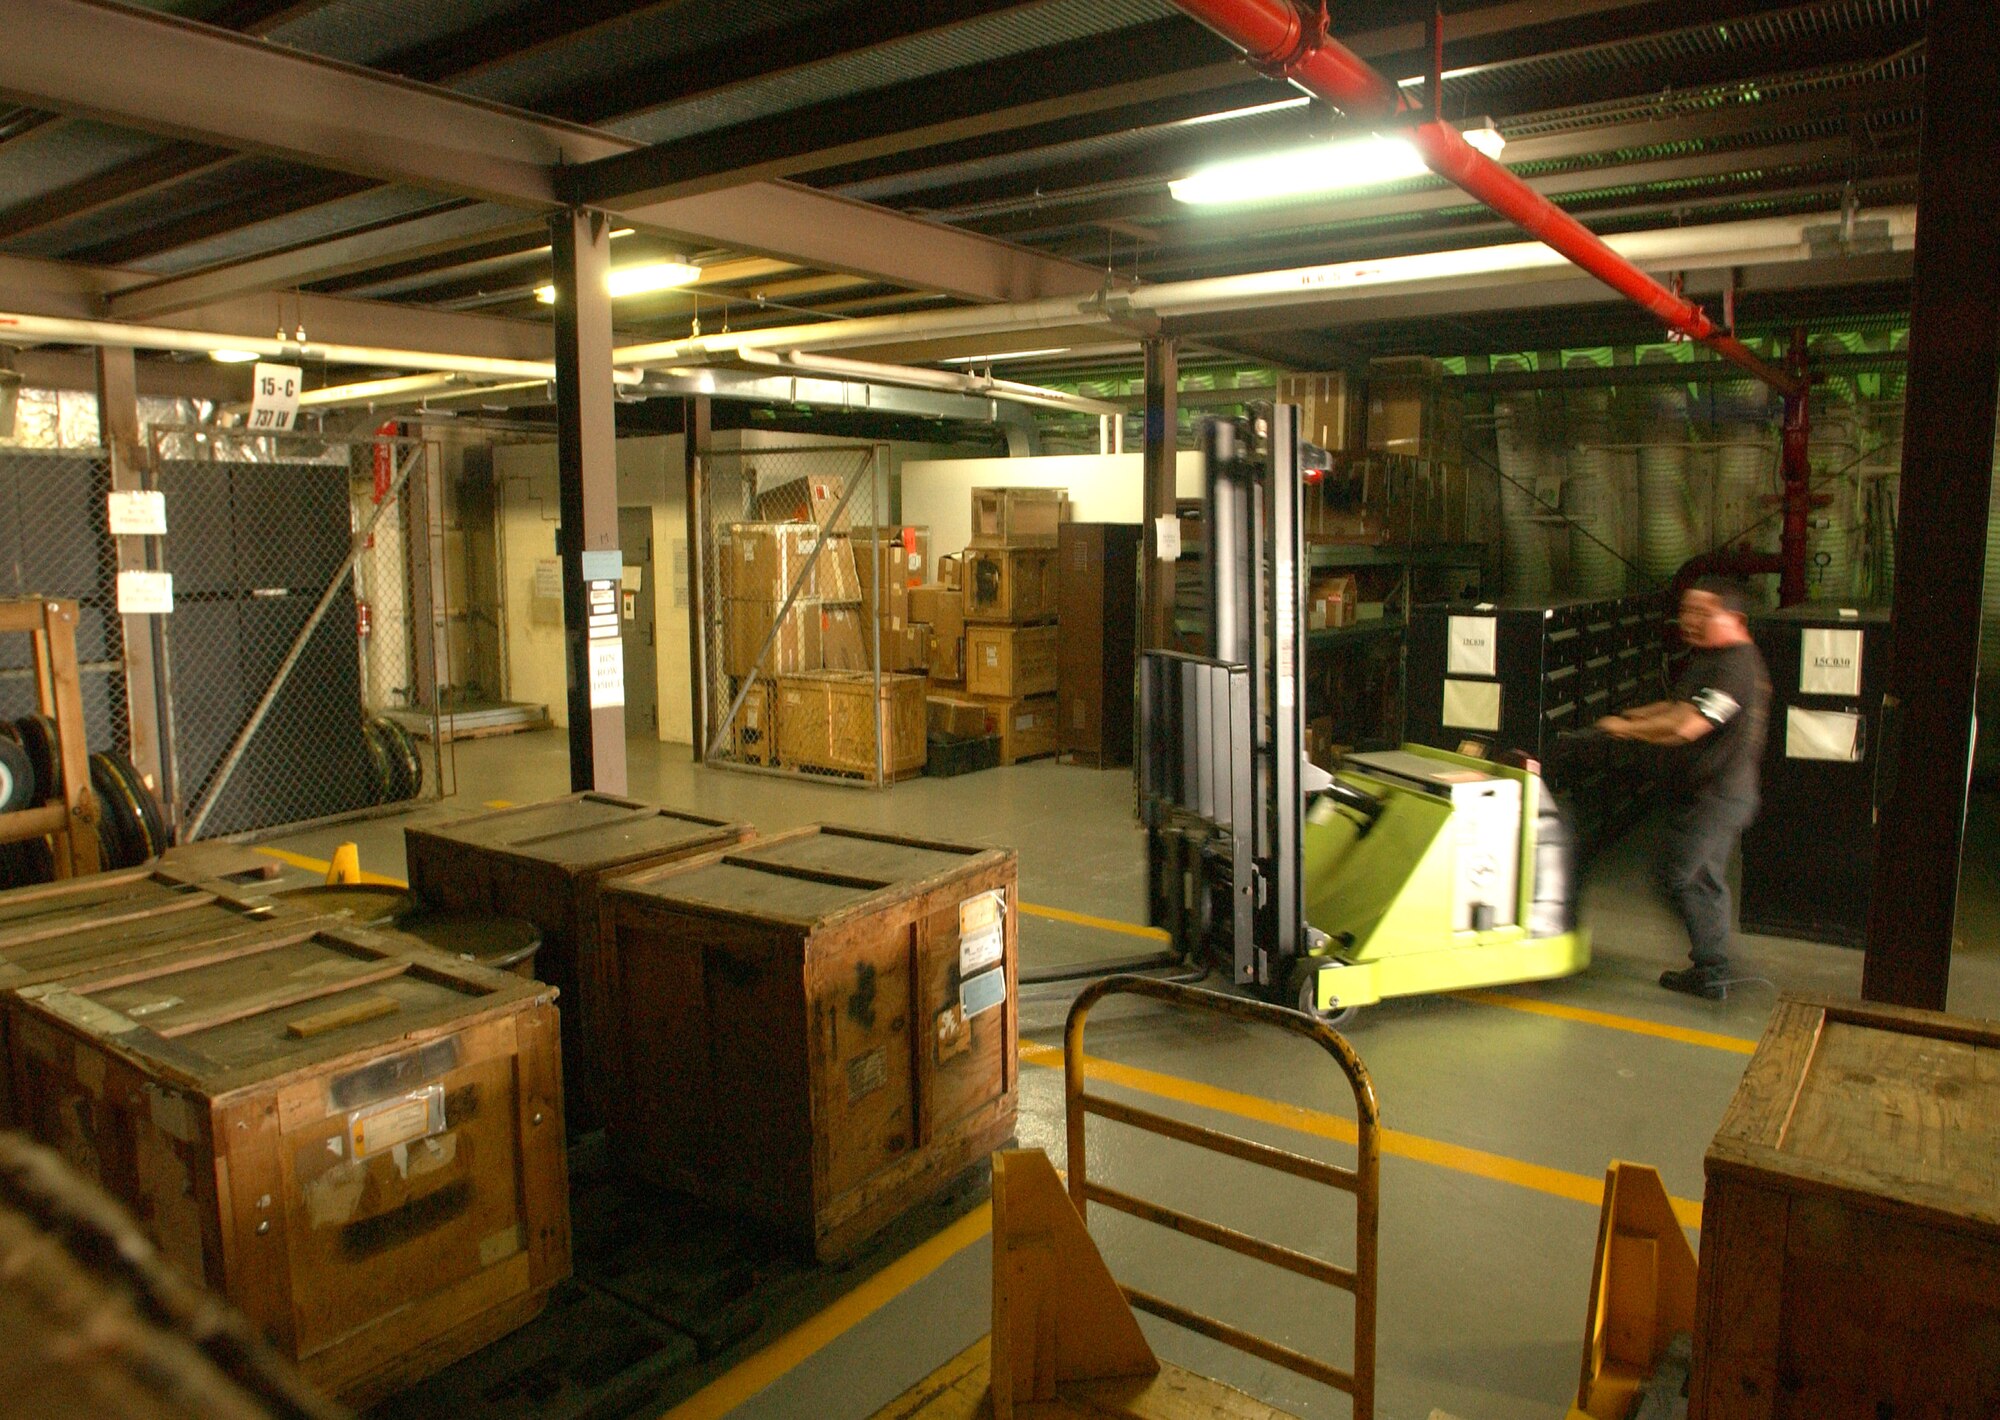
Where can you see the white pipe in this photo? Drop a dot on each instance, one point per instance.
(1759, 242)
(375, 391)
(915, 377)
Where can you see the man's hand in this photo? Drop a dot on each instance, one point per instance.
(1616, 726)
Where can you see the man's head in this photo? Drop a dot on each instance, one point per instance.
(1714, 613)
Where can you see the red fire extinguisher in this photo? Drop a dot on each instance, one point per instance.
(385, 458)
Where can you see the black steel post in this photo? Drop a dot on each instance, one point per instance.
(1942, 515)
(587, 495)
(695, 429)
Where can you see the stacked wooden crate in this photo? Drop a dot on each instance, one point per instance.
(1010, 594)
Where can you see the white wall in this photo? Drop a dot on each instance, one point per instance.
(649, 475)
(1103, 488)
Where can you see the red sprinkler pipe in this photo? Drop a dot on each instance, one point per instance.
(1288, 45)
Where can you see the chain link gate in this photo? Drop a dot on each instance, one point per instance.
(807, 648)
(55, 542)
(274, 667)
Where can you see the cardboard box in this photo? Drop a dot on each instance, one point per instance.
(843, 640)
(913, 649)
(947, 662)
(824, 722)
(1410, 410)
(837, 578)
(888, 570)
(1027, 726)
(958, 717)
(801, 500)
(1010, 661)
(1018, 517)
(796, 647)
(1012, 584)
(916, 545)
(760, 561)
(1332, 602)
(942, 609)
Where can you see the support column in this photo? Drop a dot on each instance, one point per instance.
(1942, 514)
(695, 429)
(1157, 460)
(587, 496)
(118, 427)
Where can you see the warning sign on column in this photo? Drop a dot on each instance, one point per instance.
(607, 674)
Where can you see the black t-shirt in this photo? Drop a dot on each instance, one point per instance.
(1731, 689)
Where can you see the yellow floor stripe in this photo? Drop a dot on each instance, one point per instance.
(1633, 1024)
(1477, 1162)
(744, 1380)
(320, 865)
(499, 803)
(1102, 924)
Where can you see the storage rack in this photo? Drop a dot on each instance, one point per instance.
(70, 823)
(1559, 666)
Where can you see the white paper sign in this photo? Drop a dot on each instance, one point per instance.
(1829, 661)
(1822, 734)
(145, 593)
(1472, 704)
(1469, 645)
(607, 674)
(548, 579)
(982, 929)
(1167, 532)
(274, 396)
(138, 513)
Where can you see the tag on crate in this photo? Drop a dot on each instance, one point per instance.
(398, 1121)
(982, 931)
(981, 993)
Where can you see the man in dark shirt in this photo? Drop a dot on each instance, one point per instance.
(1715, 724)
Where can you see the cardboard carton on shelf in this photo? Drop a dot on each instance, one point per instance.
(795, 647)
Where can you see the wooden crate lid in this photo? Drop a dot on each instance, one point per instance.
(1880, 1104)
(221, 1017)
(810, 875)
(585, 831)
(55, 934)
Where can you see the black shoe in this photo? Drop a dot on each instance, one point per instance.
(1703, 981)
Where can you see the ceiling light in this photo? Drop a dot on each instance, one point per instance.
(1311, 172)
(638, 280)
(999, 355)
(234, 357)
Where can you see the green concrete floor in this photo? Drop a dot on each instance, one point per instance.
(1506, 1118)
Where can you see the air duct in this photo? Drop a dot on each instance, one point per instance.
(1524, 543)
(1835, 451)
(1664, 537)
(1590, 498)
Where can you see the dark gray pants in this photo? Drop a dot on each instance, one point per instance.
(1693, 871)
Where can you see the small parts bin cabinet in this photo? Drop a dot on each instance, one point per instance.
(821, 1025)
(1850, 1239)
(547, 863)
(362, 1151)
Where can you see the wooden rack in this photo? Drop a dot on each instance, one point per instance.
(70, 825)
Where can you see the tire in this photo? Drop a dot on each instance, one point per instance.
(1307, 1005)
(121, 836)
(37, 734)
(404, 759)
(377, 741)
(17, 777)
(151, 817)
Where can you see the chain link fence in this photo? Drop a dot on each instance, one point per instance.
(55, 542)
(811, 665)
(274, 664)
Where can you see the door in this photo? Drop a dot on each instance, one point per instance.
(636, 624)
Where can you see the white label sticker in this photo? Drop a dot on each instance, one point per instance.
(1471, 705)
(138, 513)
(607, 674)
(1829, 661)
(398, 1121)
(1167, 532)
(274, 396)
(1469, 648)
(982, 931)
(145, 593)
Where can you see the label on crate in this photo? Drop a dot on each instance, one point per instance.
(979, 994)
(382, 1127)
(1470, 643)
(137, 512)
(867, 1074)
(982, 931)
(145, 593)
(1829, 661)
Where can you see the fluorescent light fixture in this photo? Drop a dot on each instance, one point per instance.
(1311, 172)
(999, 355)
(234, 357)
(638, 280)
(1252, 111)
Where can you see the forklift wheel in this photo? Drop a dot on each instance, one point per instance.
(1336, 1018)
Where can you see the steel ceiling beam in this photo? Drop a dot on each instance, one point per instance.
(156, 72)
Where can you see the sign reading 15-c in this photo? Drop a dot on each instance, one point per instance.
(274, 396)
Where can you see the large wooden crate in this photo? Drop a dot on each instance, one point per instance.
(822, 1025)
(829, 720)
(1850, 1242)
(1010, 661)
(1017, 584)
(52, 931)
(361, 1149)
(547, 863)
(1018, 517)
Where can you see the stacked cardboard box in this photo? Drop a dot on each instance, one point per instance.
(760, 565)
(1009, 596)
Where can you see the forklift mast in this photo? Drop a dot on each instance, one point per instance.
(1222, 733)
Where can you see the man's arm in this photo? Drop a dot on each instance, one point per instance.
(1665, 722)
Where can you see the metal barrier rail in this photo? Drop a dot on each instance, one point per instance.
(1363, 1181)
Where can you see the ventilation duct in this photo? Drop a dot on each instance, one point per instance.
(1524, 546)
(1835, 452)
(1665, 542)
(1589, 498)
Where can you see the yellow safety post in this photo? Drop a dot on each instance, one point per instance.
(1641, 1291)
(346, 865)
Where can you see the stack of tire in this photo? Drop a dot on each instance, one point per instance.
(392, 752)
(131, 825)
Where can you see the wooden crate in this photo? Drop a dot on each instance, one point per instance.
(829, 720)
(52, 931)
(1010, 661)
(756, 727)
(1027, 726)
(1016, 584)
(1850, 1241)
(547, 862)
(93, 1326)
(1018, 517)
(362, 1150)
(822, 1025)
